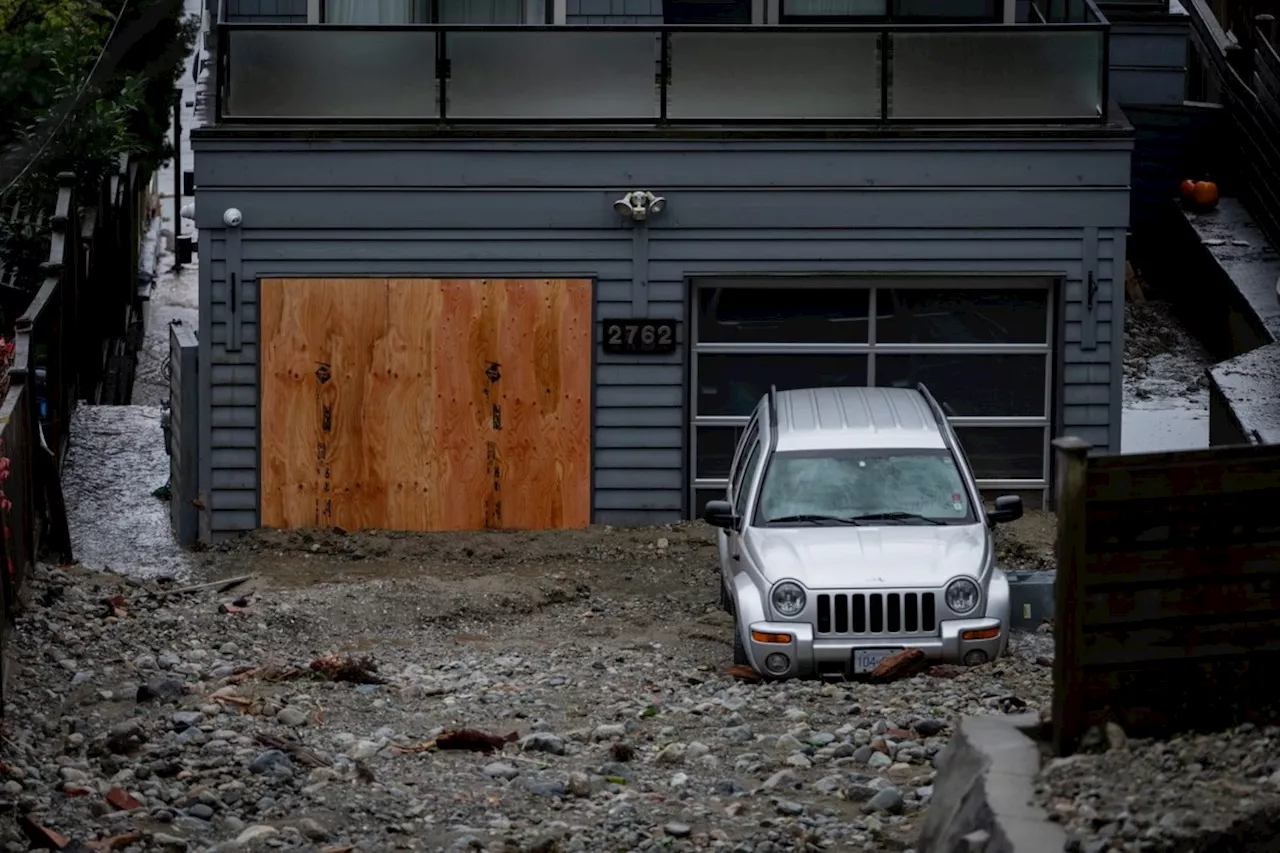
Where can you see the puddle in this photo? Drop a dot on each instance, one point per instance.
(1158, 428)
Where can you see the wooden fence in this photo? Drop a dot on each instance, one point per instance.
(66, 344)
(1245, 79)
(1168, 590)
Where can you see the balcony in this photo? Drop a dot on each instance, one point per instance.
(1026, 73)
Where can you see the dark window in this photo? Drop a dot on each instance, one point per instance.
(1004, 453)
(496, 12)
(962, 316)
(706, 11)
(734, 384)
(715, 451)
(905, 11)
(782, 315)
(972, 386)
(753, 432)
(755, 456)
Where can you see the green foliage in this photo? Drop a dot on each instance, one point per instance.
(47, 51)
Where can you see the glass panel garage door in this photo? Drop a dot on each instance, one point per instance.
(983, 347)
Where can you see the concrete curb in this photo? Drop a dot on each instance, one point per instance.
(982, 796)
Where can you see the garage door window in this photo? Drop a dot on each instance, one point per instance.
(984, 348)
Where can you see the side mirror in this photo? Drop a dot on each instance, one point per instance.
(1008, 508)
(720, 514)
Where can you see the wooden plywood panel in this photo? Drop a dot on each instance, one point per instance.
(426, 404)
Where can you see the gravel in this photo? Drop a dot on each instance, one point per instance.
(1187, 794)
(597, 658)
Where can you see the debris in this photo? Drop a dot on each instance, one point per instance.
(121, 799)
(104, 845)
(622, 752)
(946, 670)
(354, 670)
(901, 664)
(41, 836)
(1044, 660)
(1012, 704)
(238, 701)
(220, 586)
(229, 608)
(743, 673)
(473, 740)
(345, 848)
(294, 749)
(414, 749)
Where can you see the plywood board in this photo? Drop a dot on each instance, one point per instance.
(426, 404)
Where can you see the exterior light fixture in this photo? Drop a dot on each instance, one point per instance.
(638, 204)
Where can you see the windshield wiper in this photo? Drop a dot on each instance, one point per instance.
(816, 519)
(896, 516)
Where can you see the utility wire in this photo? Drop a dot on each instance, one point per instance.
(74, 102)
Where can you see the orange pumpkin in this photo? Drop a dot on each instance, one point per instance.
(1188, 189)
(1205, 194)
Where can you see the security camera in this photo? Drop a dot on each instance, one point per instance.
(232, 217)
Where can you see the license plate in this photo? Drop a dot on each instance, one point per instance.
(866, 660)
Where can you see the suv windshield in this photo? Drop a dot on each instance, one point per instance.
(863, 486)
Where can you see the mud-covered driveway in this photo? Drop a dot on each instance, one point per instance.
(192, 721)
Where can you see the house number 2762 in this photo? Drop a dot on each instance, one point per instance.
(639, 336)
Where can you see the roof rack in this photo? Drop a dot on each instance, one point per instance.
(939, 416)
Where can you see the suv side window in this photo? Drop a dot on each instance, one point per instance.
(739, 464)
(755, 455)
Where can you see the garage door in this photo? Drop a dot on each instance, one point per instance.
(425, 404)
(983, 347)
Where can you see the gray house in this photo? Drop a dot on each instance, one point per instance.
(529, 263)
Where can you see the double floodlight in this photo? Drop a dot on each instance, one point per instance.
(638, 204)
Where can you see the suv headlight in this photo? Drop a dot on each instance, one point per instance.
(788, 598)
(962, 596)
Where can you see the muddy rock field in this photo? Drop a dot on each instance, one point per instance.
(459, 692)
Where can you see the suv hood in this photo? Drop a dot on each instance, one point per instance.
(908, 555)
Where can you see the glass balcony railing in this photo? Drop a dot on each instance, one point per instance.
(706, 75)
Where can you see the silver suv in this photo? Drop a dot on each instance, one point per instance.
(852, 529)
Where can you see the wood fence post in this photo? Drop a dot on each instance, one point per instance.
(1068, 682)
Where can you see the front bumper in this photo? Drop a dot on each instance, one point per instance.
(808, 655)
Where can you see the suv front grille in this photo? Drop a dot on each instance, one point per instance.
(877, 613)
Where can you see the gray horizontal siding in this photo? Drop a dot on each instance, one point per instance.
(545, 209)
(613, 12)
(1149, 61)
(267, 11)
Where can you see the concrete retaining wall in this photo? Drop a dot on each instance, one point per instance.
(983, 794)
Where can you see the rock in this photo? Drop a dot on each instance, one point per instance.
(781, 779)
(500, 770)
(161, 689)
(254, 833)
(879, 760)
(542, 742)
(272, 763)
(311, 830)
(670, 754)
(290, 716)
(738, 734)
(610, 731)
(544, 786)
(928, 727)
(676, 829)
(786, 807)
(887, 800)
(186, 719)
